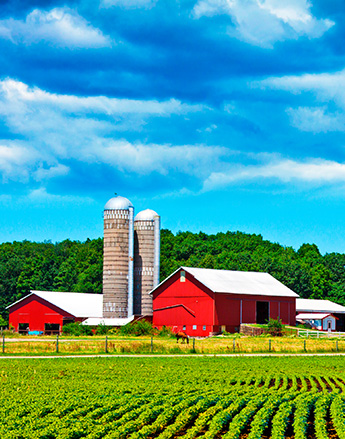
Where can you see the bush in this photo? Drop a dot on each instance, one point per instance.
(166, 331)
(102, 329)
(76, 329)
(275, 327)
(113, 331)
(140, 327)
(3, 323)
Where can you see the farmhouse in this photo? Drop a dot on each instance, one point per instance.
(203, 301)
(315, 306)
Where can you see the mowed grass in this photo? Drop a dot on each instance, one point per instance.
(144, 345)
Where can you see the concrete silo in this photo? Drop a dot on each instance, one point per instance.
(146, 260)
(118, 258)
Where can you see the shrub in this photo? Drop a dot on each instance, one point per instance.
(166, 331)
(140, 327)
(113, 331)
(102, 329)
(76, 329)
(275, 327)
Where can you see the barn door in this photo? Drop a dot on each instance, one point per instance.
(262, 312)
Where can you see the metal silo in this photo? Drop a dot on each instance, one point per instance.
(118, 258)
(146, 259)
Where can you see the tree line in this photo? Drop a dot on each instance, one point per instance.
(77, 266)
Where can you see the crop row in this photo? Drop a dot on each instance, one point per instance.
(256, 412)
(177, 398)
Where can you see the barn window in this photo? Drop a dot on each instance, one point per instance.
(204, 328)
(184, 327)
(183, 276)
(194, 327)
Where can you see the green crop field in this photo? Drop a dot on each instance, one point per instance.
(209, 398)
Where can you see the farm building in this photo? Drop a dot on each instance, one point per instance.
(319, 321)
(315, 306)
(204, 301)
(47, 311)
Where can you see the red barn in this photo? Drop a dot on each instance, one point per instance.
(202, 301)
(47, 311)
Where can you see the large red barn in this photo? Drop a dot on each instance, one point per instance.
(204, 301)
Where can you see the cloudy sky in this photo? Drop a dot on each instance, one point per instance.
(218, 114)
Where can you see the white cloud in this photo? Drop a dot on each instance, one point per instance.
(129, 4)
(16, 160)
(61, 27)
(54, 171)
(264, 22)
(58, 128)
(326, 86)
(41, 196)
(147, 158)
(316, 119)
(15, 91)
(314, 172)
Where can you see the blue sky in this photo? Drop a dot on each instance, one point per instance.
(218, 114)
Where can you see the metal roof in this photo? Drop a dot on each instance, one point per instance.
(311, 316)
(118, 203)
(146, 215)
(92, 321)
(238, 282)
(315, 305)
(77, 304)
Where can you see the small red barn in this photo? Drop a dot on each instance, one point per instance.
(202, 301)
(47, 311)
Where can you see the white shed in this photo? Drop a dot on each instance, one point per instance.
(322, 307)
(320, 321)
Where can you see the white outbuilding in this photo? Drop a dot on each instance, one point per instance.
(322, 307)
(319, 321)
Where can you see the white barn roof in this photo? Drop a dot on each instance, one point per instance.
(77, 304)
(315, 305)
(95, 321)
(239, 282)
(313, 316)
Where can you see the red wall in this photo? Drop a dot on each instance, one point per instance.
(198, 310)
(204, 309)
(36, 311)
(228, 309)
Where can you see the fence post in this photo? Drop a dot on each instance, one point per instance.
(336, 345)
(106, 344)
(269, 345)
(194, 344)
(305, 345)
(3, 344)
(234, 345)
(318, 334)
(307, 333)
(151, 345)
(57, 343)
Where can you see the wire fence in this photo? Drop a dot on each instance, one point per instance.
(108, 345)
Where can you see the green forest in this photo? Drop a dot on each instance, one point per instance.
(77, 266)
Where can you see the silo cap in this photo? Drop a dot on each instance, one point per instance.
(118, 203)
(146, 215)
